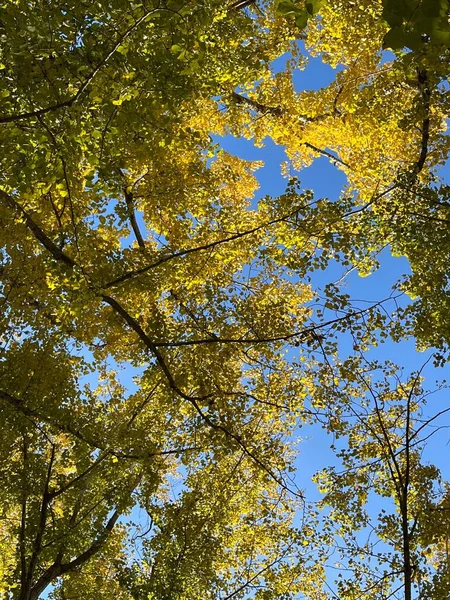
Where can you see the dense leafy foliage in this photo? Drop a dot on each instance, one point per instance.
(162, 336)
(414, 24)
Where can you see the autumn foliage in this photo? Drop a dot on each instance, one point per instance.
(163, 335)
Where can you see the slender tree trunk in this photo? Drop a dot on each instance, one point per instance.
(407, 567)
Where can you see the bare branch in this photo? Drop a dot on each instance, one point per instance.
(240, 4)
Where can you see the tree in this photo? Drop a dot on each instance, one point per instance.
(131, 244)
(106, 133)
(386, 429)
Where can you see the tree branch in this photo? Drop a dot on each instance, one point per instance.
(193, 400)
(58, 568)
(240, 4)
(43, 518)
(258, 574)
(23, 519)
(55, 493)
(257, 106)
(308, 331)
(132, 217)
(425, 90)
(150, 344)
(39, 234)
(327, 154)
(94, 548)
(208, 246)
(20, 406)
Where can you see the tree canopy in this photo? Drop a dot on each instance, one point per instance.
(163, 337)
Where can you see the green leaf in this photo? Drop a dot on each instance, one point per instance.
(286, 7)
(395, 38)
(439, 36)
(301, 19)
